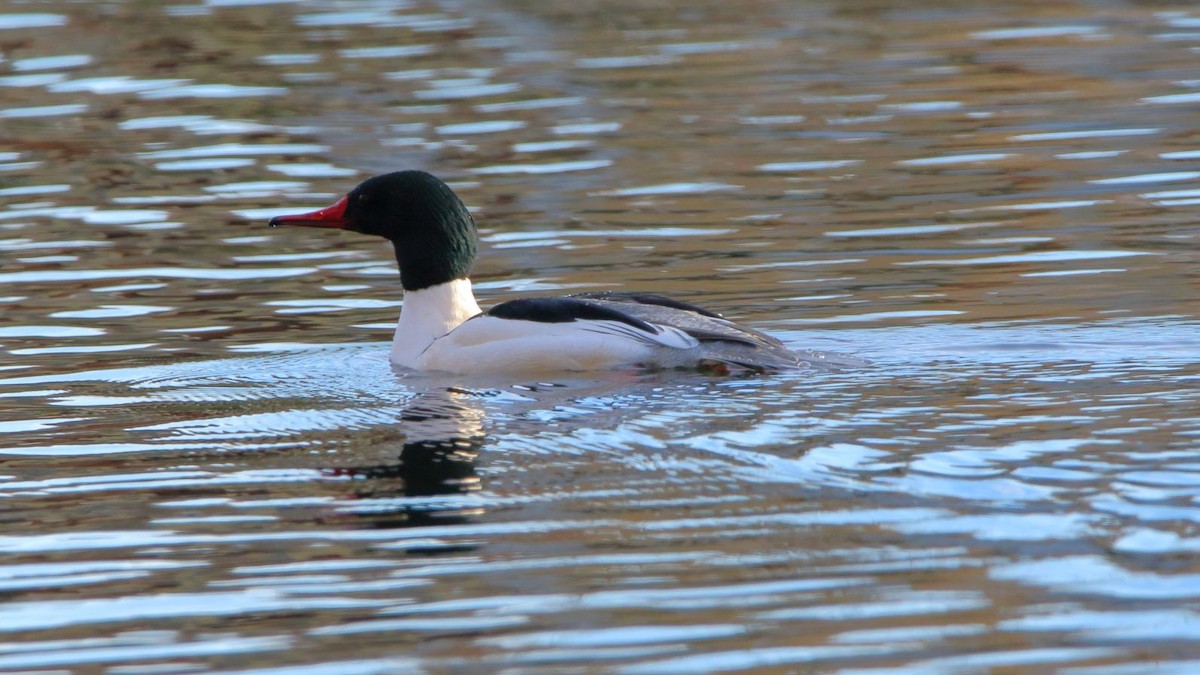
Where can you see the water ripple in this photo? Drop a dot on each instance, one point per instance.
(202, 433)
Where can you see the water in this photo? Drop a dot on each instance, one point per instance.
(207, 464)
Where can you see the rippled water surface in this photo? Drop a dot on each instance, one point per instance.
(207, 464)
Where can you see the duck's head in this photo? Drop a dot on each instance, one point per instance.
(431, 229)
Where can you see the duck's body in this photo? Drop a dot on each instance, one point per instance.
(589, 332)
(441, 327)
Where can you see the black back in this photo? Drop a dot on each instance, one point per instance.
(645, 299)
(563, 310)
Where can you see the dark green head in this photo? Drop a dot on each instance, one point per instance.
(432, 231)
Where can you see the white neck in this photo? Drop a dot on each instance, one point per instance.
(428, 314)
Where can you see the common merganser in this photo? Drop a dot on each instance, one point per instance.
(441, 328)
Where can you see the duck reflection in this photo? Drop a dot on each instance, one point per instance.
(425, 476)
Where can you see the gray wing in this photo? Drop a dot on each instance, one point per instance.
(720, 339)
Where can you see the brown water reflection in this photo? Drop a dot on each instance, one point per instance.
(207, 462)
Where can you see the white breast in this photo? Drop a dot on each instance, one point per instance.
(429, 314)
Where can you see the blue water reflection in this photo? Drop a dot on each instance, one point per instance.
(207, 463)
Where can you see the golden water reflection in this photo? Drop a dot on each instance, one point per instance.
(206, 462)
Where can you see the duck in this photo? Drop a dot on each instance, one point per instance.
(442, 328)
